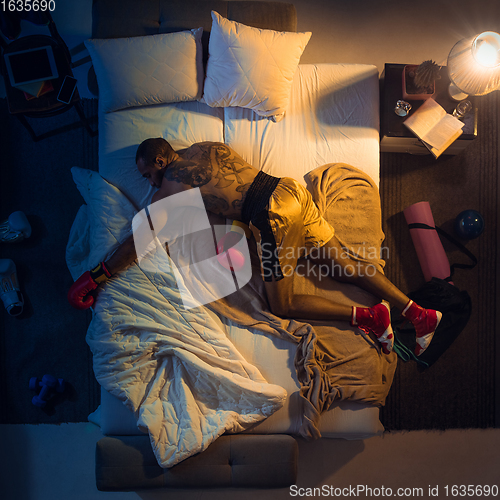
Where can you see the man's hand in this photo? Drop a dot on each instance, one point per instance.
(80, 294)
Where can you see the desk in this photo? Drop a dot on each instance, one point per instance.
(394, 136)
(45, 105)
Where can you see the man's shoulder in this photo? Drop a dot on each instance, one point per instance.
(168, 188)
(207, 144)
(199, 148)
(208, 150)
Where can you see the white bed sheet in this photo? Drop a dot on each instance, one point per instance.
(333, 116)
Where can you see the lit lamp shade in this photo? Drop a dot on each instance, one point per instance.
(474, 65)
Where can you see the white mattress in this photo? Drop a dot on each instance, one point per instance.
(333, 116)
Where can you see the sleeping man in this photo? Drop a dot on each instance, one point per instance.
(282, 215)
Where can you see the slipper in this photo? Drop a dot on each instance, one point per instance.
(9, 288)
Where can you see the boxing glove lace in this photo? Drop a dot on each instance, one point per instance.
(80, 294)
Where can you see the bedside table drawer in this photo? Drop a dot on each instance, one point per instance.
(414, 146)
(402, 145)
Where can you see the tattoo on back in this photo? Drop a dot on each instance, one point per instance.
(188, 172)
(207, 162)
(243, 189)
(215, 204)
(228, 167)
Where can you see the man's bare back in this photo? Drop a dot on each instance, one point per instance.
(222, 176)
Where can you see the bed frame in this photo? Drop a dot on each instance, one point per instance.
(127, 462)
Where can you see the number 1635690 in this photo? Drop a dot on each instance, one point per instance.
(28, 5)
(471, 491)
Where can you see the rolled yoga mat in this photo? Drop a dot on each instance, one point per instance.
(430, 251)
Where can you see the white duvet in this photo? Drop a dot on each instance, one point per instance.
(174, 368)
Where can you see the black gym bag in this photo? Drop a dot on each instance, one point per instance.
(442, 296)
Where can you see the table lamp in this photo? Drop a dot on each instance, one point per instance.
(474, 66)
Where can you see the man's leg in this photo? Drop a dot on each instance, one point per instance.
(366, 276)
(285, 303)
(375, 319)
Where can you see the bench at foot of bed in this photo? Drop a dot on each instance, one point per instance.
(125, 463)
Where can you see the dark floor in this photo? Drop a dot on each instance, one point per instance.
(49, 337)
(459, 390)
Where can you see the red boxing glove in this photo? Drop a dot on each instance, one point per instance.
(79, 295)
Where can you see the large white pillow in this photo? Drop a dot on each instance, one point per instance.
(251, 68)
(143, 70)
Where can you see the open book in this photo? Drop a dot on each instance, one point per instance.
(434, 127)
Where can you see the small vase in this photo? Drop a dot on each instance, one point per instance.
(410, 91)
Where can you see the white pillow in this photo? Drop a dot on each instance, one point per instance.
(143, 70)
(251, 68)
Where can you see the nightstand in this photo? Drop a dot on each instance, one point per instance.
(394, 136)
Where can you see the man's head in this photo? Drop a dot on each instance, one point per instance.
(152, 158)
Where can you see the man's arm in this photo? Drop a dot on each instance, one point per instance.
(81, 292)
(124, 255)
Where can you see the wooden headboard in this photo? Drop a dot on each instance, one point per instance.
(123, 18)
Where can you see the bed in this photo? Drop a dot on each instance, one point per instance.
(178, 385)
